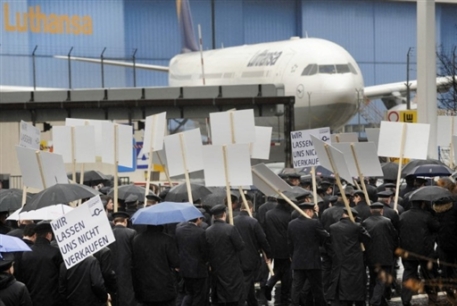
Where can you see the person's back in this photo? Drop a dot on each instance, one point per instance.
(262, 211)
(155, 256)
(83, 284)
(277, 221)
(384, 241)
(40, 269)
(12, 292)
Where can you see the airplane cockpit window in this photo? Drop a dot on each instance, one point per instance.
(352, 69)
(310, 69)
(328, 69)
(342, 69)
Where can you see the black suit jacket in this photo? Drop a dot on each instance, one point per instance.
(192, 250)
(277, 221)
(384, 241)
(304, 238)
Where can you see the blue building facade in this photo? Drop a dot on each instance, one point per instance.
(377, 33)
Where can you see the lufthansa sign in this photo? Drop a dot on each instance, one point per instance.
(408, 116)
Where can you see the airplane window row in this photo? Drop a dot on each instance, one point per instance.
(312, 69)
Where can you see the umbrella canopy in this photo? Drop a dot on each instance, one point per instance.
(430, 194)
(417, 162)
(320, 171)
(46, 213)
(390, 171)
(179, 193)
(11, 199)
(10, 244)
(217, 196)
(125, 190)
(165, 213)
(430, 170)
(91, 177)
(59, 193)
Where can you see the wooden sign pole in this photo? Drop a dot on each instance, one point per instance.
(227, 186)
(24, 194)
(165, 169)
(313, 176)
(73, 159)
(40, 167)
(150, 156)
(186, 171)
(451, 146)
(400, 162)
(362, 179)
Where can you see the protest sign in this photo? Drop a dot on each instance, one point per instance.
(373, 135)
(303, 152)
(236, 167)
(154, 132)
(82, 232)
(188, 151)
(233, 127)
(261, 147)
(29, 136)
(75, 144)
(345, 137)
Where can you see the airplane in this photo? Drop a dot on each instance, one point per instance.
(324, 78)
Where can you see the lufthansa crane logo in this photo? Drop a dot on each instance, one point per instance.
(300, 91)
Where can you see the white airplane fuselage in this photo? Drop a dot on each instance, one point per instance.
(324, 78)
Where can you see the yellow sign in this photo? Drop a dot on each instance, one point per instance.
(408, 116)
(397, 160)
(36, 21)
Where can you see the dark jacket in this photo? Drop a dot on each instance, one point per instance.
(254, 241)
(40, 273)
(193, 254)
(332, 215)
(347, 279)
(18, 261)
(122, 262)
(17, 232)
(277, 221)
(417, 232)
(384, 241)
(224, 244)
(155, 256)
(262, 212)
(12, 292)
(105, 260)
(304, 238)
(83, 284)
(447, 217)
(363, 209)
(391, 214)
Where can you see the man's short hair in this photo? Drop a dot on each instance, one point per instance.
(29, 230)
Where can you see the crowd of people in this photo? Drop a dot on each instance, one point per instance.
(327, 254)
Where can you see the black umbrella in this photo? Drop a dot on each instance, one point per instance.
(430, 194)
(91, 177)
(179, 193)
(217, 196)
(430, 170)
(417, 162)
(11, 199)
(125, 190)
(320, 171)
(59, 194)
(390, 171)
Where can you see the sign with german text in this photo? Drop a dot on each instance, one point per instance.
(29, 136)
(303, 152)
(82, 232)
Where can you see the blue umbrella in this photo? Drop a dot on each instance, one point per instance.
(12, 244)
(165, 213)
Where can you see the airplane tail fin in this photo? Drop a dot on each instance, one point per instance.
(189, 43)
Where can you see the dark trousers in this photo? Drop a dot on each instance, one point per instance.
(196, 292)
(449, 273)
(378, 283)
(282, 272)
(326, 270)
(162, 303)
(410, 273)
(249, 288)
(315, 281)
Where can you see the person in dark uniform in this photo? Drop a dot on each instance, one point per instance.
(29, 237)
(12, 292)
(4, 229)
(105, 261)
(40, 268)
(277, 221)
(305, 236)
(254, 240)
(152, 199)
(293, 179)
(131, 204)
(417, 235)
(122, 250)
(385, 197)
(19, 232)
(191, 241)
(264, 208)
(224, 244)
(155, 260)
(83, 284)
(361, 205)
(380, 252)
(348, 277)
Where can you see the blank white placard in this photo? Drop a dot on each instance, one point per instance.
(239, 123)
(154, 132)
(319, 147)
(368, 159)
(390, 139)
(345, 148)
(445, 131)
(267, 181)
(107, 152)
(260, 149)
(238, 165)
(373, 136)
(30, 170)
(53, 169)
(340, 164)
(98, 128)
(85, 144)
(125, 145)
(192, 151)
(62, 142)
(416, 142)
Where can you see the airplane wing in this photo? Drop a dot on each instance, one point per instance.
(115, 63)
(393, 94)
